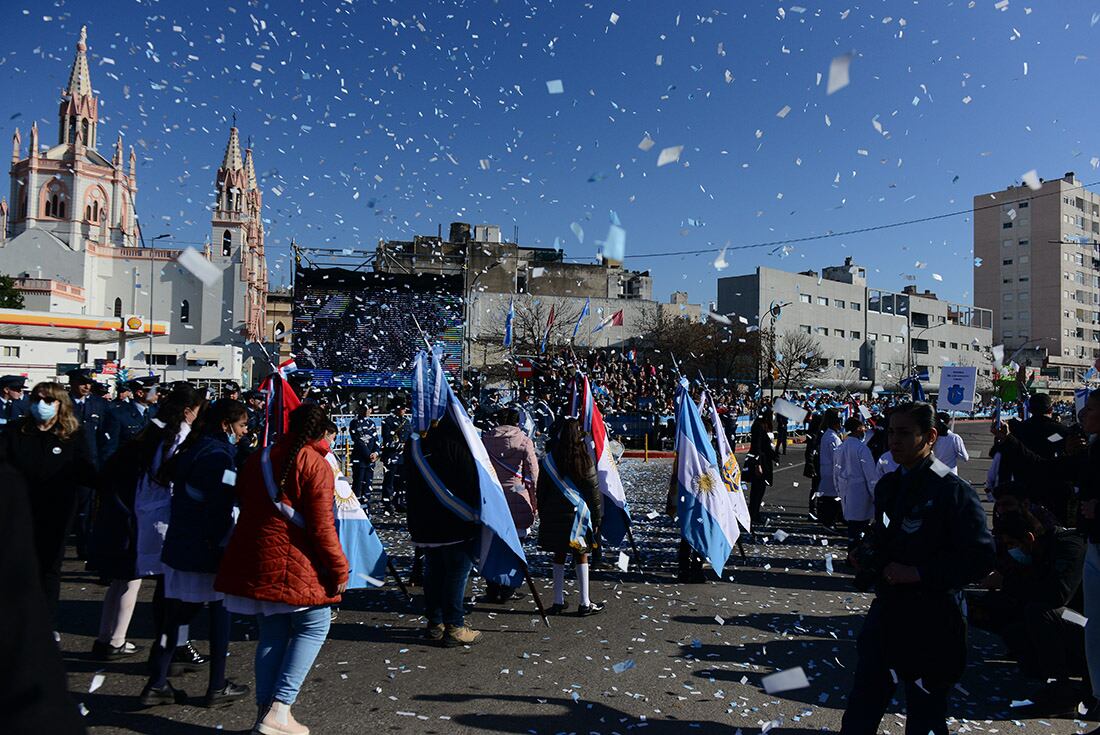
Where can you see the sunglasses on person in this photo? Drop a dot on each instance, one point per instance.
(45, 399)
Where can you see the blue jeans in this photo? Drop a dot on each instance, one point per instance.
(1091, 582)
(446, 569)
(289, 643)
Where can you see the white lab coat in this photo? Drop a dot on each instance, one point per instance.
(830, 442)
(856, 476)
(950, 450)
(886, 465)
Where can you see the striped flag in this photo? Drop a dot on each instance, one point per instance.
(359, 540)
(729, 469)
(705, 509)
(508, 323)
(583, 314)
(615, 320)
(546, 334)
(616, 516)
(280, 400)
(500, 555)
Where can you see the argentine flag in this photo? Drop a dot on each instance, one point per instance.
(500, 555)
(358, 539)
(705, 507)
(508, 323)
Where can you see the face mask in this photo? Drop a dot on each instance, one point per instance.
(43, 411)
(1019, 555)
(232, 437)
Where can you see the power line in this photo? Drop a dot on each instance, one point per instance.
(855, 231)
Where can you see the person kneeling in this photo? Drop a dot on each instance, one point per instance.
(1035, 589)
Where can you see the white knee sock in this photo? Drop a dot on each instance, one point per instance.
(582, 583)
(559, 584)
(126, 604)
(109, 613)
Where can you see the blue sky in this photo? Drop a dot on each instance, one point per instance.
(385, 119)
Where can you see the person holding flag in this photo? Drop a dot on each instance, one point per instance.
(570, 507)
(460, 522)
(703, 506)
(615, 523)
(580, 318)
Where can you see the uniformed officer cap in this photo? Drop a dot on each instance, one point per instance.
(79, 376)
(231, 387)
(249, 395)
(14, 382)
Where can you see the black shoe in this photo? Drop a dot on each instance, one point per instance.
(229, 693)
(1057, 699)
(153, 696)
(592, 608)
(106, 652)
(186, 660)
(557, 609)
(513, 595)
(488, 599)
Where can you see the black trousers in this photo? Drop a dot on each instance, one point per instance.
(874, 687)
(758, 485)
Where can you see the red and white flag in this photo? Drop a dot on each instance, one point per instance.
(615, 320)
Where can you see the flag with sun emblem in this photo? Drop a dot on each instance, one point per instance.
(731, 471)
(705, 507)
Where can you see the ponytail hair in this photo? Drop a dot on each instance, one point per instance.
(162, 430)
(225, 410)
(307, 424)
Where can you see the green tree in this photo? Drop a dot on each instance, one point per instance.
(10, 297)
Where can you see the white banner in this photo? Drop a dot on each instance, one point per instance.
(957, 388)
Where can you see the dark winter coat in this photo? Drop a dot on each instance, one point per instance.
(556, 512)
(123, 422)
(446, 452)
(202, 504)
(936, 524)
(1081, 469)
(113, 546)
(92, 412)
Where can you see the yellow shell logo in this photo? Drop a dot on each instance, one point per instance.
(133, 322)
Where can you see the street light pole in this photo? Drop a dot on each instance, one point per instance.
(152, 290)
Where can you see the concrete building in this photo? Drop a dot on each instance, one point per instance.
(868, 337)
(72, 239)
(496, 272)
(1036, 266)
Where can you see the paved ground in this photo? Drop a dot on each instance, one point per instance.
(688, 657)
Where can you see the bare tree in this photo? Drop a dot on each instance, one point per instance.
(792, 357)
(529, 324)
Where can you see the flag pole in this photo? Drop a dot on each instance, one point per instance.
(535, 596)
(397, 578)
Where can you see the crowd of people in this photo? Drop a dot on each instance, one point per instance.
(225, 505)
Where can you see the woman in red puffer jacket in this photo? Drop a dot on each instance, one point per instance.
(284, 563)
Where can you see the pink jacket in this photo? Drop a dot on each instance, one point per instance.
(513, 457)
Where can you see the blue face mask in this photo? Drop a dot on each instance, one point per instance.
(232, 437)
(1019, 555)
(43, 411)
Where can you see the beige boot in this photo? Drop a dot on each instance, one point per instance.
(462, 635)
(434, 632)
(279, 721)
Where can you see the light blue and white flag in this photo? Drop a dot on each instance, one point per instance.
(705, 509)
(584, 313)
(508, 323)
(358, 538)
(429, 396)
(500, 556)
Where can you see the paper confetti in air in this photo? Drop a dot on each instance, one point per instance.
(554, 86)
(646, 143)
(623, 562)
(97, 682)
(784, 681)
(838, 73)
(669, 155)
(1031, 178)
(198, 266)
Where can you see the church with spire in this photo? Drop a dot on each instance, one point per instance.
(71, 236)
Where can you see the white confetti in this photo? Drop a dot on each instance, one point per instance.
(838, 73)
(554, 86)
(669, 155)
(1031, 178)
(785, 681)
(198, 266)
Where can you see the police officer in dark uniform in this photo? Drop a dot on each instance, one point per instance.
(12, 403)
(92, 411)
(126, 419)
(232, 391)
(364, 438)
(928, 540)
(257, 408)
(396, 430)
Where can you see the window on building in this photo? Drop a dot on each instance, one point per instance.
(227, 243)
(887, 338)
(853, 363)
(1006, 261)
(160, 359)
(941, 343)
(899, 339)
(1025, 279)
(805, 328)
(197, 362)
(839, 333)
(838, 364)
(1025, 259)
(1024, 243)
(805, 298)
(840, 303)
(1007, 297)
(823, 331)
(822, 300)
(920, 346)
(884, 365)
(954, 345)
(280, 331)
(185, 312)
(1006, 225)
(872, 337)
(1007, 243)
(1023, 205)
(11, 351)
(855, 334)
(118, 307)
(856, 306)
(112, 355)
